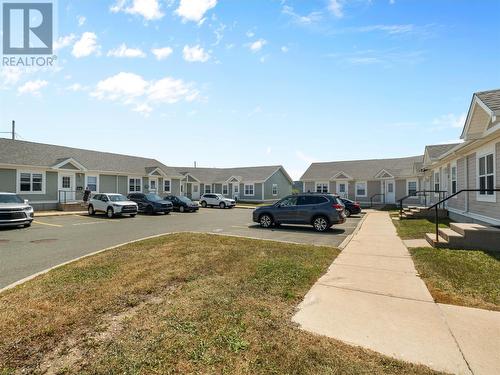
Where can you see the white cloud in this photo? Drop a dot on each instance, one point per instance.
(132, 89)
(76, 87)
(257, 45)
(10, 75)
(450, 120)
(162, 53)
(194, 10)
(124, 51)
(81, 20)
(32, 87)
(336, 8)
(195, 54)
(269, 150)
(86, 45)
(390, 29)
(250, 34)
(64, 41)
(149, 9)
(284, 49)
(299, 19)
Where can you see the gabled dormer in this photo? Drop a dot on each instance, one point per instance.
(483, 115)
(383, 174)
(341, 176)
(69, 164)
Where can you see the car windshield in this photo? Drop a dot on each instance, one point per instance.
(10, 198)
(117, 198)
(219, 196)
(153, 197)
(185, 199)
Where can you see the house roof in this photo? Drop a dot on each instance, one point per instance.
(435, 151)
(490, 98)
(44, 155)
(220, 175)
(362, 169)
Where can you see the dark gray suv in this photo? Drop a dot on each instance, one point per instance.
(319, 210)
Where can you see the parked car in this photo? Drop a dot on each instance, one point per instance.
(182, 204)
(15, 211)
(212, 200)
(319, 210)
(112, 204)
(151, 203)
(351, 207)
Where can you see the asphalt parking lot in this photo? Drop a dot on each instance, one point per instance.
(53, 240)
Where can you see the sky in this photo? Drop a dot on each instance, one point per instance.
(245, 82)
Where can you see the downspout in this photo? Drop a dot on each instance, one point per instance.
(466, 183)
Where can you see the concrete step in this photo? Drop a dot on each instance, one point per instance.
(451, 236)
(72, 206)
(431, 239)
(467, 236)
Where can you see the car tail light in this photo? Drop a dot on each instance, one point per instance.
(356, 204)
(338, 207)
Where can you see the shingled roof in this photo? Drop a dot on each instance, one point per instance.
(490, 98)
(220, 175)
(435, 151)
(362, 169)
(44, 155)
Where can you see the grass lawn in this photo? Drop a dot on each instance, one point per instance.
(460, 277)
(417, 228)
(183, 304)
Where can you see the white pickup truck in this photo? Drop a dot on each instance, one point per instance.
(112, 204)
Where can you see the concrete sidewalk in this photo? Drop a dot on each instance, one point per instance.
(371, 296)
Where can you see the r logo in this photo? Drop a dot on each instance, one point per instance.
(27, 28)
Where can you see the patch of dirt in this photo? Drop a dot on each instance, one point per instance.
(44, 240)
(4, 241)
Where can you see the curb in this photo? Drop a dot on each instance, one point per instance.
(348, 239)
(59, 213)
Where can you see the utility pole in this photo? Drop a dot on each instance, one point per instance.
(13, 130)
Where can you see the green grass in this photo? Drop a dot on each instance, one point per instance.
(460, 277)
(184, 303)
(417, 228)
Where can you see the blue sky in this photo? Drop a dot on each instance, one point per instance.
(233, 83)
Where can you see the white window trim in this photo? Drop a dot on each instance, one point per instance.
(245, 190)
(434, 173)
(356, 189)
(322, 183)
(96, 184)
(274, 190)
(480, 154)
(227, 189)
(453, 165)
(408, 183)
(169, 185)
(205, 189)
(31, 192)
(128, 184)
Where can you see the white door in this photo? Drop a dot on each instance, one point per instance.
(153, 185)
(236, 190)
(342, 189)
(182, 188)
(66, 187)
(390, 193)
(195, 193)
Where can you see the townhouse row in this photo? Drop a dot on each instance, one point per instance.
(451, 169)
(48, 175)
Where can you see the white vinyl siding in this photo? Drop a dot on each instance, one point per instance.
(249, 190)
(31, 182)
(134, 185)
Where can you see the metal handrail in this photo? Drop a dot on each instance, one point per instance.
(376, 195)
(416, 194)
(436, 205)
(75, 193)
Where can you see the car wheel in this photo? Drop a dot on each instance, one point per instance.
(265, 221)
(222, 205)
(321, 224)
(348, 212)
(204, 204)
(91, 210)
(149, 210)
(27, 225)
(181, 209)
(110, 213)
(132, 215)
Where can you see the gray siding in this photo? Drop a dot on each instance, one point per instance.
(284, 186)
(8, 180)
(257, 197)
(332, 187)
(51, 189)
(122, 185)
(373, 187)
(107, 183)
(175, 186)
(217, 188)
(309, 187)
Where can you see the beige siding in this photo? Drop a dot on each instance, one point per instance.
(309, 187)
(352, 187)
(373, 188)
(332, 187)
(458, 202)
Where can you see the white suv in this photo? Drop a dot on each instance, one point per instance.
(112, 204)
(212, 200)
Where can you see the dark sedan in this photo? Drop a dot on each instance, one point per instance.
(351, 207)
(151, 203)
(182, 204)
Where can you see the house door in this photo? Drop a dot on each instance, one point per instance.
(153, 185)
(236, 190)
(66, 187)
(390, 194)
(195, 192)
(342, 189)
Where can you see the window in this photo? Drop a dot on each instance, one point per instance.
(31, 182)
(453, 179)
(236, 188)
(66, 182)
(152, 184)
(321, 187)
(436, 181)
(361, 189)
(275, 189)
(311, 199)
(166, 186)
(486, 175)
(225, 190)
(249, 189)
(195, 188)
(412, 188)
(92, 183)
(288, 202)
(208, 189)
(342, 188)
(134, 184)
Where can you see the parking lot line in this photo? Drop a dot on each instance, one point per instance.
(48, 224)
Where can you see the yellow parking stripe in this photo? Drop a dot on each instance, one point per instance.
(50, 225)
